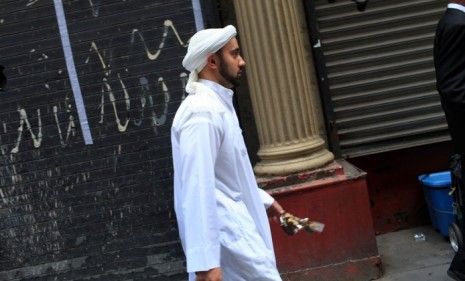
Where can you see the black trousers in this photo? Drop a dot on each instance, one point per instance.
(456, 163)
(457, 267)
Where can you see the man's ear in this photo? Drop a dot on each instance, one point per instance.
(212, 61)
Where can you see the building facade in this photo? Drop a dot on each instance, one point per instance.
(92, 88)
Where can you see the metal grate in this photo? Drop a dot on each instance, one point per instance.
(381, 73)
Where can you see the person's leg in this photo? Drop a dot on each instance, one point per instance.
(248, 265)
(457, 267)
(244, 254)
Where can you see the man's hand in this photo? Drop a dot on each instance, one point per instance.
(274, 211)
(214, 274)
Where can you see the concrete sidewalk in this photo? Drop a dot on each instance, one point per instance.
(405, 259)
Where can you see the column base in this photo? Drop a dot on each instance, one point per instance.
(287, 166)
(337, 196)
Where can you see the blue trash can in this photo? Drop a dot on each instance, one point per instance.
(436, 187)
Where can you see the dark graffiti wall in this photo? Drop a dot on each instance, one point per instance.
(71, 211)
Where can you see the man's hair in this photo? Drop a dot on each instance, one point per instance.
(220, 52)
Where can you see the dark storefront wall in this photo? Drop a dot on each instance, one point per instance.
(102, 211)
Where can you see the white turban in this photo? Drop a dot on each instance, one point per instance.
(201, 45)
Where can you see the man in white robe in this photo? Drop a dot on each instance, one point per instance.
(220, 210)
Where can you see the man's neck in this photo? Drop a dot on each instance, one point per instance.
(213, 78)
(212, 82)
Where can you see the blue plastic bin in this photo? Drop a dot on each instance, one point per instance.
(436, 187)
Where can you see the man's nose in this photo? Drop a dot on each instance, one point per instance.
(242, 62)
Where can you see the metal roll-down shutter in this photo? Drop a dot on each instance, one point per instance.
(381, 73)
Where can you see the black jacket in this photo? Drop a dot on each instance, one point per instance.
(449, 61)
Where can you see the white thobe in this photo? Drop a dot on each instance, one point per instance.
(219, 208)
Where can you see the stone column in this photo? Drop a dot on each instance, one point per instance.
(282, 84)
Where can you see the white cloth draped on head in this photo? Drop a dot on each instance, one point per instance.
(201, 45)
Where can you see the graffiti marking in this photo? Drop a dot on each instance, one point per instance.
(166, 27)
(24, 120)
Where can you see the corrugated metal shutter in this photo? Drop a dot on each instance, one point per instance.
(381, 74)
(70, 211)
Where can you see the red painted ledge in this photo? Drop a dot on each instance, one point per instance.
(337, 196)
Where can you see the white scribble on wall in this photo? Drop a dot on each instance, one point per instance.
(167, 25)
(31, 2)
(144, 86)
(144, 91)
(156, 120)
(147, 91)
(183, 76)
(161, 120)
(106, 87)
(37, 140)
(95, 6)
(93, 47)
(71, 129)
(42, 57)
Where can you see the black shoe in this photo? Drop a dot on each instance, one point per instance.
(456, 275)
(457, 267)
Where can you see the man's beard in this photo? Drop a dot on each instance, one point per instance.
(234, 80)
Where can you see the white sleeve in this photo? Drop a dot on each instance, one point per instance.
(199, 142)
(266, 198)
